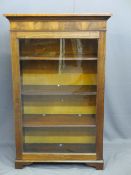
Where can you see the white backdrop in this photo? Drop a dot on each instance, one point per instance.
(118, 61)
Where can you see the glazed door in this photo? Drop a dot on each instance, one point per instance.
(58, 91)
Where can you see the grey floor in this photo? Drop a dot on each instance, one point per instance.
(117, 157)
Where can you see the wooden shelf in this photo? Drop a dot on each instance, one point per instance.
(57, 93)
(59, 126)
(58, 90)
(57, 58)
(59, 120)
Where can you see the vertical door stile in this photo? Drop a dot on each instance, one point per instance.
(16, 94)
(100, 96)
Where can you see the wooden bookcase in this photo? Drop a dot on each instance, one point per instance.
(58, 87)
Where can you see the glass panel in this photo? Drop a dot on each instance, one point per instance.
(70, 72)
(59, 90)
(55, 49)
(39, 47)
(58, 86)
(59, 104)
(80, 48)
(59, 139)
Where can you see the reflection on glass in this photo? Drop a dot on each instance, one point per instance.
(80, 48)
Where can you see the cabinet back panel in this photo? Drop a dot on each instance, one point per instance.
(59, 104)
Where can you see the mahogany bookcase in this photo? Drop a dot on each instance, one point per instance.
(58, 87)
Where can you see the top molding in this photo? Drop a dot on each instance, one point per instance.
(90, 16)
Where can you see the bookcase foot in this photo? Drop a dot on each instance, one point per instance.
(20, 164)
(98, 166)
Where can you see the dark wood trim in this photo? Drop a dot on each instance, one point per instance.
(59, 157)
(100, 96)
(69, 16)
(99, 165)
(21, 164)
(16, 94)
(57, 58)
